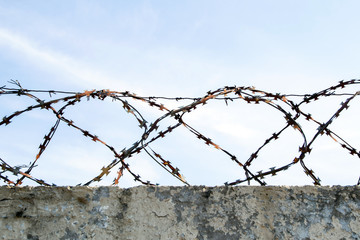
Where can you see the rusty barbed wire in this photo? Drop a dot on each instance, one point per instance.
(289, 105)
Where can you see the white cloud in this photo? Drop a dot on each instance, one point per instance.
(28, 51)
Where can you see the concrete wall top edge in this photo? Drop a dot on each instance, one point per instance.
(193, 186)
(180, 212)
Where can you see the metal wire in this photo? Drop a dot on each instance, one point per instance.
(289, 105)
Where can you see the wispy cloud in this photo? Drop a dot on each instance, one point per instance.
(29, 51)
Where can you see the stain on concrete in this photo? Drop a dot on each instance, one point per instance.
(69, 235)
(31, 237)
(100, 192)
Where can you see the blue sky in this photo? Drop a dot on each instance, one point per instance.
(169, 48)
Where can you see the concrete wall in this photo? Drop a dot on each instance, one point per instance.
(197, 212)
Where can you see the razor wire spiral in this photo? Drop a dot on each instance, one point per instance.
(289, 105)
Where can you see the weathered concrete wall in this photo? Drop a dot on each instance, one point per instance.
(180, 213)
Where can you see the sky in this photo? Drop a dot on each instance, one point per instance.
(177, 49)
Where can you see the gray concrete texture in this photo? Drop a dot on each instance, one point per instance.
(197, 212)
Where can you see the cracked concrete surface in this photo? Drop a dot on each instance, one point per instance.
(198, 212)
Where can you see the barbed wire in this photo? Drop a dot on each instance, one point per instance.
(289, 105)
